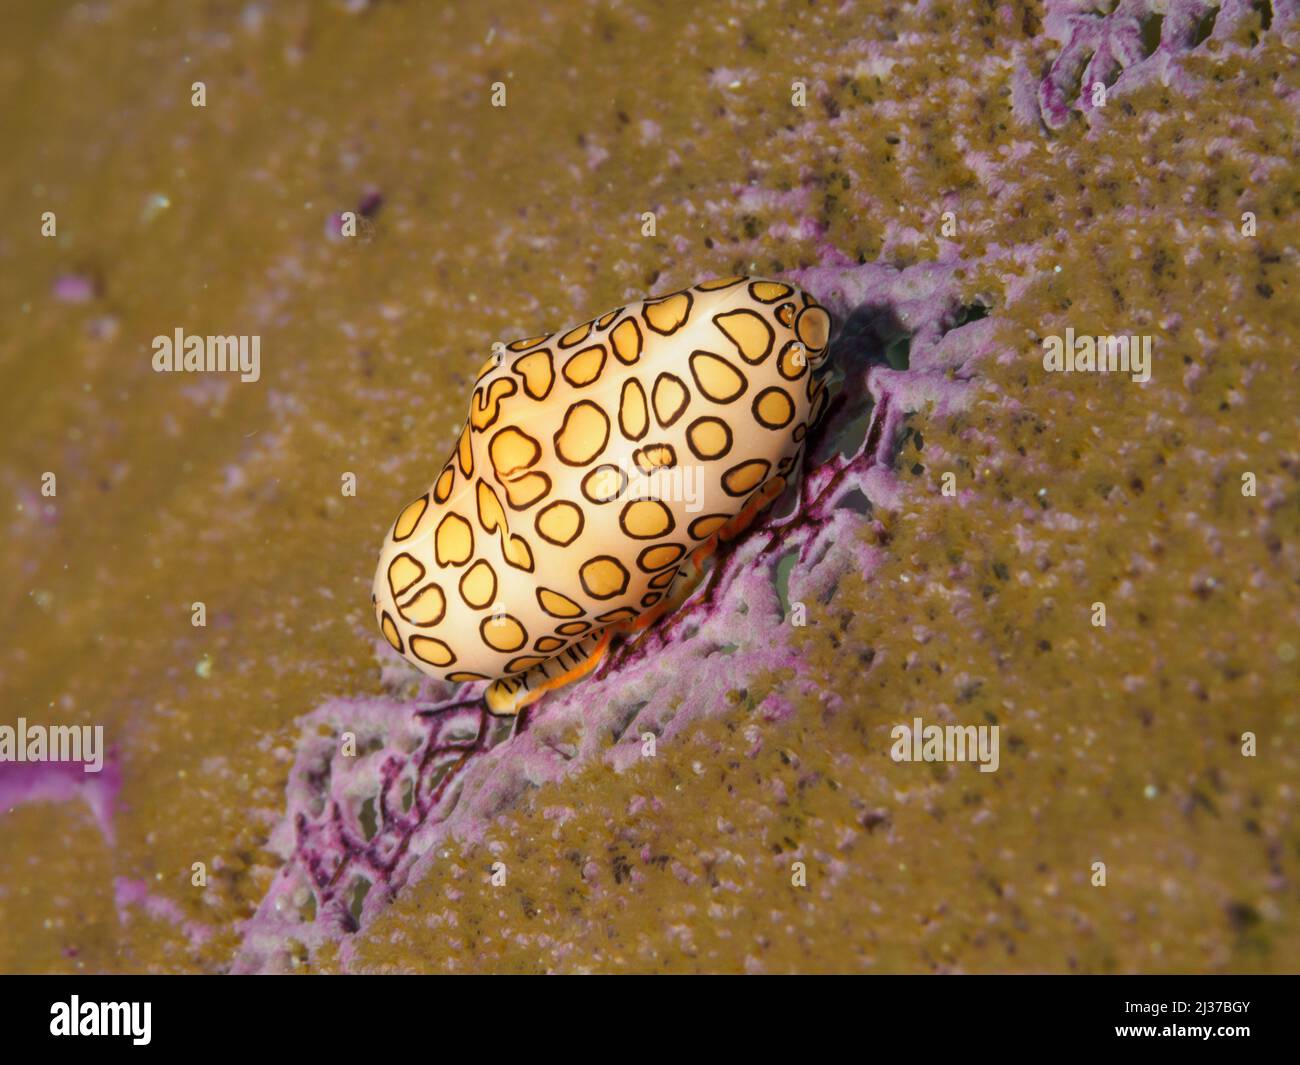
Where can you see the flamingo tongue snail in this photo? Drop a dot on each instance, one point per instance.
(598, 467)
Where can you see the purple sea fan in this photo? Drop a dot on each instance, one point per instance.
(360, 827)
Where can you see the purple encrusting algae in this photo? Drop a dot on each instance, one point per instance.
(24, 782)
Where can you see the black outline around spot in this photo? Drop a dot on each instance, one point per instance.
(640, 341)
(497, 617)
(550, 369)
(731, 282)
(432, 639)
(679, 411)
(582, 576)
(437, 547)
(759, 399)
(691, 443)
(699, 385)
(478, 408)
(604, 358)
(388, 574)
(419, 517)
(632, 382)
(647, 304)
(562, 346)
(402, 607)
(582, 522)
(401, 644)
(639, 454)
(622, 487)
(537, 594)
(690, 529)
(666, 509)
(460, 585)
(640, 559)
(771, 333)
(767, 469)
(536, 499)
(555, 439)
(775, 299)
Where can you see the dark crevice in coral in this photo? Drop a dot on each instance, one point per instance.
(848, 441)
(854, 500)
(367, 819)
(627, 714)
(784, 566)
(360, 888)
(1152, 26)
(898, 352)
(967, 313)
(1204, 27)
(873, 334)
